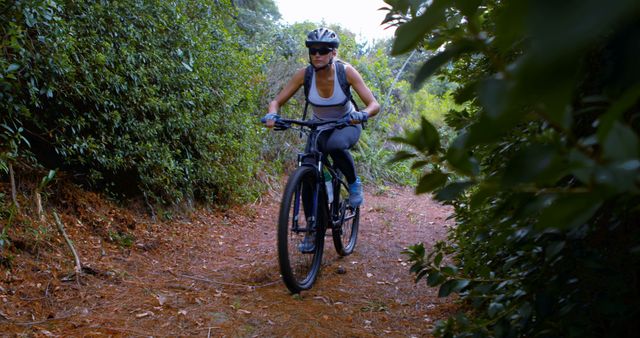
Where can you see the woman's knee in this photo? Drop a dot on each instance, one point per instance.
(343, 139)
(337, 146)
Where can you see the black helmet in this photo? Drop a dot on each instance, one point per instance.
(322, 36)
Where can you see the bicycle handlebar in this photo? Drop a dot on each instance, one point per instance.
(282, 124)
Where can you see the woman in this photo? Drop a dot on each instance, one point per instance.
(329, 102)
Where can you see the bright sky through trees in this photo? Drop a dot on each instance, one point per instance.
(362, 17)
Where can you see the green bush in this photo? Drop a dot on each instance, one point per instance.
(148, 96)
(544, 173)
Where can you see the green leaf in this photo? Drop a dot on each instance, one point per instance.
(447, 288)
(494, 309)
(536, 163)
(493, 95)
(569, 211)
(452, 286)
(411, 33)
(621, 143)
(453, 190)
(431, 181)
(461, 284)
(580, 165)
(415, 251)
(419, 164)
(425, 139)
(459, 157)
(449, 270)
(12, 68)
(401, 156)
(421, 274)
(435, 278)
(438, 259)
(187, 66)
(553, 249)
(434, 63)
(485, 191)
(400, 139)
(615, 111)
(428, 136)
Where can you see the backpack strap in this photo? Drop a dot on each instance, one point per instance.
(344, 83)
(346, 87)
(308, 75)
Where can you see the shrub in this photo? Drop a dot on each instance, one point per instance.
(544, 171)
(142, 96)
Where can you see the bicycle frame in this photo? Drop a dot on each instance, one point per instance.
(305, 195)
(312, 157)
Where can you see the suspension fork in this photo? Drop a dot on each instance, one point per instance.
(311, 151)
(299, 200)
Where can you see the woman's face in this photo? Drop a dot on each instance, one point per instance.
(320, 55)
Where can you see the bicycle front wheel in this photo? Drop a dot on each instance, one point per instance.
(300, 264)
(345, 228)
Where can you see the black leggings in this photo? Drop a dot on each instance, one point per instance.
(337, 142)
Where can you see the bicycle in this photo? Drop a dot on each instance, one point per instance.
(306, 187)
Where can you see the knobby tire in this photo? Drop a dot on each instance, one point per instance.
(345, 233)
(299, 270)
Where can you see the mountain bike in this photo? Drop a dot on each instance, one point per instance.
(306, 210)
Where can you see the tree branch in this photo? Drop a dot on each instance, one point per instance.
(14, 194)
(78, 268)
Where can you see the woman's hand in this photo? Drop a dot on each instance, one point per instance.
(355, 117)
(270, 119)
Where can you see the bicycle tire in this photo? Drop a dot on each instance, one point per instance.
(299, 270)
(345, 233)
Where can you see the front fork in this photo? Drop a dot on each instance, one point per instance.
(311, 221)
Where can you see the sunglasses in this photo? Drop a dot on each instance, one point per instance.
(322, 51)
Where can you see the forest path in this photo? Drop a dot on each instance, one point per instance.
(216, 274)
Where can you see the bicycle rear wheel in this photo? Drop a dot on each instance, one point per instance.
(299, 269)
(345, 232)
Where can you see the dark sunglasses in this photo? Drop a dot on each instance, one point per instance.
(322, 51)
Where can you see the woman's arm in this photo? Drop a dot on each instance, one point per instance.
(287, 92)
(355, 80)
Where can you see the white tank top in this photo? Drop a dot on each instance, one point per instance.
(331, 108)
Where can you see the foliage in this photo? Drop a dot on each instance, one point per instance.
(400, 110)
(544, 173)
(147, 95)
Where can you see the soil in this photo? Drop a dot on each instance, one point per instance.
(214, 273)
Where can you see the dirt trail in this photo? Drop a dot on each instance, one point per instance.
(216, 274)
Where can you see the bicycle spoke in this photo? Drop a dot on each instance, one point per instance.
(345, 230)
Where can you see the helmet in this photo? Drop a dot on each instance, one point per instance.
(323, 36)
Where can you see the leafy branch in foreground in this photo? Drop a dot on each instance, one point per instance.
(544, 173)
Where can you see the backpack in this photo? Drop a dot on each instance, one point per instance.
(342, 80)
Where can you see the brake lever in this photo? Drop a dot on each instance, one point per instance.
(280, 125)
